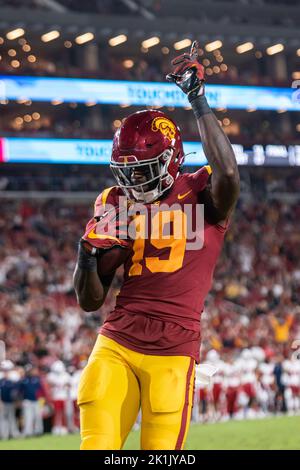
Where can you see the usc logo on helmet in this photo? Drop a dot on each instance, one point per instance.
(165, 126)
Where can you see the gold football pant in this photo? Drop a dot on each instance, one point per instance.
(117, 382)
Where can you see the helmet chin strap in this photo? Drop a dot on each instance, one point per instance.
(145, 196)
(151, 196)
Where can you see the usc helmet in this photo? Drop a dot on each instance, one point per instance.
(148, 142)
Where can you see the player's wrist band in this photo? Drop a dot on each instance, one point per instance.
(86, 261)
(200, 106)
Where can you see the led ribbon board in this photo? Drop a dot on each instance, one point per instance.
(144, 93)
(79, 151)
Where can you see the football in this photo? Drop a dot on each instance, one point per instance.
(112, 259)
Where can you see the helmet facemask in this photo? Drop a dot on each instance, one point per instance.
(155, 169)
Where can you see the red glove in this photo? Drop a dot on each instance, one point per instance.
(188, 74)
(106, 231)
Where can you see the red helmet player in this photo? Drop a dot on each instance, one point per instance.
(147, 155)
(151, 339)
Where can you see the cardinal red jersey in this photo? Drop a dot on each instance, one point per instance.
(167, 276)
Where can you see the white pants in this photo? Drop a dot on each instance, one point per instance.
(33, 423)
(8, 422)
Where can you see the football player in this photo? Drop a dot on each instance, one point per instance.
(144, 357)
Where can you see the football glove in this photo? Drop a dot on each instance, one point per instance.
(188, 73)
(106, 231)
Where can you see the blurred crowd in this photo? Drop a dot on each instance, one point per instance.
(254, 303)
(249, 386)
(80, 121)
(261, 181)
(35, 400)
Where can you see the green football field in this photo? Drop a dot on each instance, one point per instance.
(271, 433)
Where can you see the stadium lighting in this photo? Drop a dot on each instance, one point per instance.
(47, 37)
(275, 49)
(212, 46)
(128, 63)
(15, 64)
(182, 44)
(12, 52)
(15, 33)
(150, 42)
(31, 58)
(117, 123)
(245, 47)
(115, 41)
(83, 38)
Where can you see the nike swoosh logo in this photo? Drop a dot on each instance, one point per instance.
(182, 196)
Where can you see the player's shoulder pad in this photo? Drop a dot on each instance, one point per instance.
(108, 196)
(199, 179)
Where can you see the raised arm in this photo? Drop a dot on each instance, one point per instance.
(221, 195)
(223, 192)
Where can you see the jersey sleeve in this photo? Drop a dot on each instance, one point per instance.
(200, 178)
(104, 200)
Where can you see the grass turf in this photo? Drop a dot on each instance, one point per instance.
(272, 433)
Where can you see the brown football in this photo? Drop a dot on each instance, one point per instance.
(111, 259)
